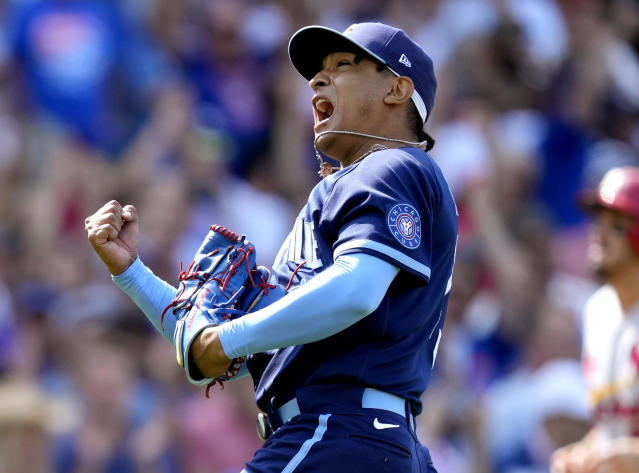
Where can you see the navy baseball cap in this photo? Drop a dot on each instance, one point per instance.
(390, 46)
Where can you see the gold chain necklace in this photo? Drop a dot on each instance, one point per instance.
(326, 168)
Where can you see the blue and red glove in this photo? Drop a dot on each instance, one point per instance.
(221, 284)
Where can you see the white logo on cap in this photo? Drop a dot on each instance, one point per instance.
(351, 28)
(404, 60)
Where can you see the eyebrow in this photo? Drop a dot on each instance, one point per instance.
(334, 53)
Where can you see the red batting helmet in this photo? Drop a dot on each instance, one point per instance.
(619, 190)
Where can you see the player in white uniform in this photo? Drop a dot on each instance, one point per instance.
(611, 333)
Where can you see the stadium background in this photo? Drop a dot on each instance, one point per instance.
(191, 111)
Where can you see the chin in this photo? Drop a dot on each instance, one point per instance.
(601, 274)
(325, 143)
(604, 270)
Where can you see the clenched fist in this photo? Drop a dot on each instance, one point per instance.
(113, 232)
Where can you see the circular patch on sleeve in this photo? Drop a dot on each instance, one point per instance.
(405, 225)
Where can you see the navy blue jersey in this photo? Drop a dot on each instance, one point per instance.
(396, 205)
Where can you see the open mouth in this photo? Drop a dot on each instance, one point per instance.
(324, 109)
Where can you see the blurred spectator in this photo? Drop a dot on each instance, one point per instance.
(191, 110)
(231, 85)
(543, 28)
(232, 412)
(118, 432)
(30, 420)
(9, 331)
(69, 52)
(518, 438)
(562, 413)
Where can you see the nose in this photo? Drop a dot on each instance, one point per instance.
(320, 79)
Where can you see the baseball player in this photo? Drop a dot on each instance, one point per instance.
(611, 332)
(340, 362)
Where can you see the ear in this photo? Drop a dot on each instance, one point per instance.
(401, 91)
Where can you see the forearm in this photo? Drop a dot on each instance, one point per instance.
(150, 293)
(330, 302)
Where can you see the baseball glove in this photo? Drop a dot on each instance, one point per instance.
(221, 284)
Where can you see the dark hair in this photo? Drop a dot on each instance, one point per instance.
(417, 125)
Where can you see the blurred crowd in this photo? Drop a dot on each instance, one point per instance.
(191, 111)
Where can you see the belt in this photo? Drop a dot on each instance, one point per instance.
(371, 399)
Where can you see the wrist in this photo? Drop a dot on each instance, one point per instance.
(118, 268)
(208, 354)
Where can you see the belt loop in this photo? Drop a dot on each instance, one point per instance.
(288, 410)
(376, 399)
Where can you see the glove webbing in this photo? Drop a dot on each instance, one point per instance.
(222, 277)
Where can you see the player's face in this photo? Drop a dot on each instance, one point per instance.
(609, 250)
(348, 96)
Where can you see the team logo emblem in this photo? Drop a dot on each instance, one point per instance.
(405, 225)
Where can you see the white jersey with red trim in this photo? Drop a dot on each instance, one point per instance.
(611, 363)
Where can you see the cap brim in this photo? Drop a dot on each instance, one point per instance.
(310, 45)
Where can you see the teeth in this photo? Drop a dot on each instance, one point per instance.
(324, 106)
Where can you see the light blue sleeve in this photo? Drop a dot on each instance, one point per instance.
(330, 302)
(150, 293)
